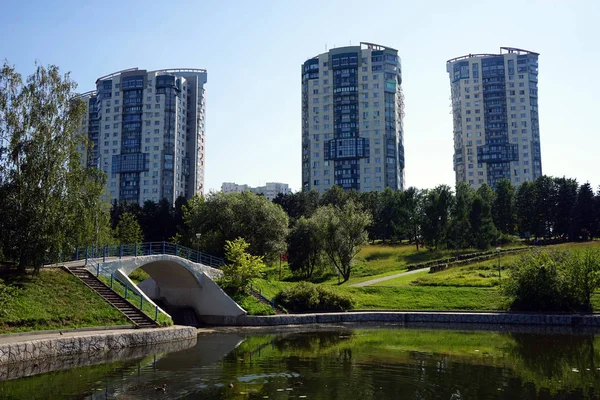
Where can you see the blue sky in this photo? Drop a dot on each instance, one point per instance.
(253, 52)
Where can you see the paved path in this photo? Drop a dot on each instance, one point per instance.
(387, 278)
(17, 338)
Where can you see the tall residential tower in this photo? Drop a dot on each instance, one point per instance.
(495, 114)
(352, 114)
(147, 131)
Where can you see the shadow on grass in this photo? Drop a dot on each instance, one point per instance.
(12, 277)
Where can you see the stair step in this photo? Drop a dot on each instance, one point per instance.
(138, 317)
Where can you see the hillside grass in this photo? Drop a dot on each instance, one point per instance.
(473, 287)
(53, 299)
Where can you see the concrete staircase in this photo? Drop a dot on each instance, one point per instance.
(135, 315)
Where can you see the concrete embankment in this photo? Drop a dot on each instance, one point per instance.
(15, 349)
(406, 317)
(63, 363)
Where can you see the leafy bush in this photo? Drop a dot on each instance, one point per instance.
(553, 281)
(306, 296)
(506, 239)
(241, 267)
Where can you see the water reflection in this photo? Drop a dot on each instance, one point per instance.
(386, 363)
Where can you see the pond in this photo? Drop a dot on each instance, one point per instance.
(359, 363)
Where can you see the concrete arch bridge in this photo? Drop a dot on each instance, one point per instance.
(179, 277)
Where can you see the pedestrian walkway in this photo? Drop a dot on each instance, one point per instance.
(388, 278)
(41, 335)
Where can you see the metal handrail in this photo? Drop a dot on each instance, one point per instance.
(95, 265)
(142, 249)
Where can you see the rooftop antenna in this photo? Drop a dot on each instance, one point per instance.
(325, 46)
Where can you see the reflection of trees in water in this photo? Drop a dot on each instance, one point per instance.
(337, 365)
(556, 361)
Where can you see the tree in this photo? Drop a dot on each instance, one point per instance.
(503, 208)
(298, 204)
(584, 213)
(412, 207)
(436, 211)
(226, 216)
(524, 208)
(483, 231)
(596, 218)
(89, 217)
(119, 208)
(387, 222)
(157, 221)
(335, 196)
(342, 233)
(128, 230)
(305, 249)
(486, 193)
(563, 216)
(241, 267)
(50, 201)
(544, 206)
(459, 233)
(370, 202)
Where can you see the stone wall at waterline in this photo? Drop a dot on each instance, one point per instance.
(499, 318)
(90, 343)
(63, 363)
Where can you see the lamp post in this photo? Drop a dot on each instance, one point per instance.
(498, 251)
(198, 247)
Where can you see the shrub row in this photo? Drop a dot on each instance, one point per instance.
(554, 281)
(306, 296)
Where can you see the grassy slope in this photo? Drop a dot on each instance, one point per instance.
(470, 287)
(54, 299)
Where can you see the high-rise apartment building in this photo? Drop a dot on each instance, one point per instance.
(352, 119)
(148, 131)
(495, 114)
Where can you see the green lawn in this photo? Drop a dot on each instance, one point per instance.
(480, 274)
(252, 305)
(407, 297)
(54, 299)
(426, 298)
(380, 259)
(468, 287)
(373, 261)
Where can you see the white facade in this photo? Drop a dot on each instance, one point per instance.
(147, 129)
(495, 116)
(270, 190)
(352, 119)
(230, 187)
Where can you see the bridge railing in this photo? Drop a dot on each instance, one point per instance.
(123, 288)
(110, 252)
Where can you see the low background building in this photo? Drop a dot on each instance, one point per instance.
(270, 190)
